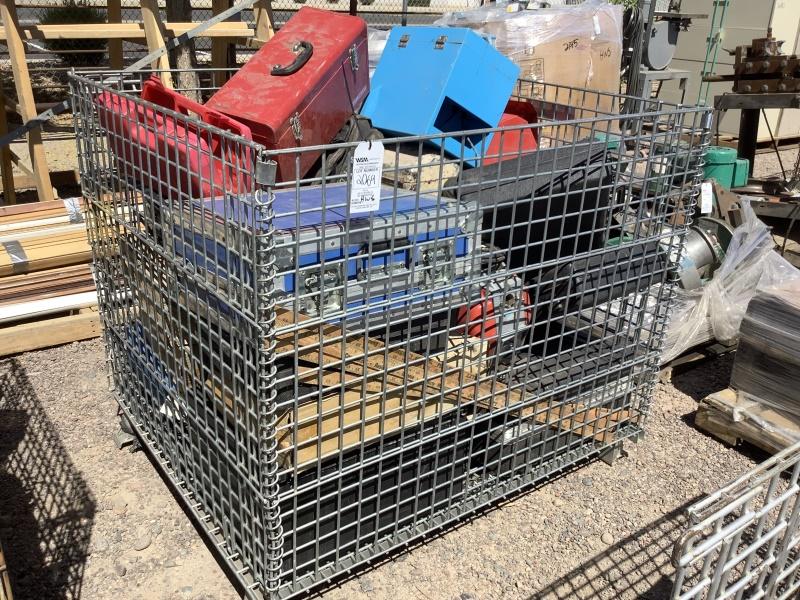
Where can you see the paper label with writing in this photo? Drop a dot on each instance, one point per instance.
(365, 192)
(706, 198)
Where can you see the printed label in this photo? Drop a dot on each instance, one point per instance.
(706, 197)
(365, 193)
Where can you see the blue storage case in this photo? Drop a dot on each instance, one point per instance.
(432, 80)
(401, 254)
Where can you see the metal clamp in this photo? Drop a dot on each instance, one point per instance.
(297, 128)
(353, 53)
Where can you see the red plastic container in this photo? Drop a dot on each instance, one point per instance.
(513, 143)
(301, 86)
(169, 154)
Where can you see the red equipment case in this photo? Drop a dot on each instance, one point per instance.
(517, 112)
(177, 152)
(301, 86)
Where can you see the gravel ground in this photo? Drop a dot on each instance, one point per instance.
(83, 519)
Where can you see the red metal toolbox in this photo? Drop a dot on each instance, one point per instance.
(301, 86)
(179, 157)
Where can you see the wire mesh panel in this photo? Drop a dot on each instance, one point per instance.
(325, 381)
(743, 539)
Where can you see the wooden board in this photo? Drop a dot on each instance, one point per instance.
(731, 418)
(57, 247)
(132, 31)
(22, 82)
(49, 332)
(34, 210)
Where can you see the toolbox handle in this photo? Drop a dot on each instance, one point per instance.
(304, 50)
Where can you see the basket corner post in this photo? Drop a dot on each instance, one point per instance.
(267, 418)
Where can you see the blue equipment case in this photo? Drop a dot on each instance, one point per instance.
(433, 80)
(389, 259)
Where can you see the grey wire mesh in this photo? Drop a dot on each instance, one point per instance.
(742, 540)
(323, 386)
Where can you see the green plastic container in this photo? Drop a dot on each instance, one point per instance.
(723, 165)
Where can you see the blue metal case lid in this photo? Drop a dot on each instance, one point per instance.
(297, 210)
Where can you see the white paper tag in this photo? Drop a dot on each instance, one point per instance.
(706, 197)
(365, 193)
(596, 21)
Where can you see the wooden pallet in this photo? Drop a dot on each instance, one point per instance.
(733, 419)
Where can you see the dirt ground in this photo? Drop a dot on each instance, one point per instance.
(79, 518)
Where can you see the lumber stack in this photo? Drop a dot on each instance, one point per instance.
(47, 291)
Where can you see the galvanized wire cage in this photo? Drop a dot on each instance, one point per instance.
(323, 385)
(742, 541)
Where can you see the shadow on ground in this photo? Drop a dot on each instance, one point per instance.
(635, 567)
(698, 380)
(46, 508)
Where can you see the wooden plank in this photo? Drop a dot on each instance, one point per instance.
(731, 418)
(22, 82)
(49, 332)
(154, 34)
(37, 308)
(32, 210)
(128, 31)
(395, 363)
(262, 10)
(114, 15)
(40, 250)
(219, 48)
(6, 168)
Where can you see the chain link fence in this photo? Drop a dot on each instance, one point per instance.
(49, 61)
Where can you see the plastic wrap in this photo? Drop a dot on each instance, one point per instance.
(767, 365)
(376, 42)
(750, 264)
(577, 46)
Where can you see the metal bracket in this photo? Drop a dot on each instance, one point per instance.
(610, 455)
(266, 172)
(297, 129)
(439, 44)
(354, 58)
(403, 41)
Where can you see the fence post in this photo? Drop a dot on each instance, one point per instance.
(114, 15)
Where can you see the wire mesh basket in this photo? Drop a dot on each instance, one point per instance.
(323, 385)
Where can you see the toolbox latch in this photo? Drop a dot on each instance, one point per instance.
(403, 41)
(322, 291)
(439, 44)
(354, 58)
(297, 129)
(436, 262)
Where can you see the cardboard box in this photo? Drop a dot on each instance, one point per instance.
(577, 46)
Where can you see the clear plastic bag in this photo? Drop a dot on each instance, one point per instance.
(376, 42)
(577, 45)
(750, 263)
